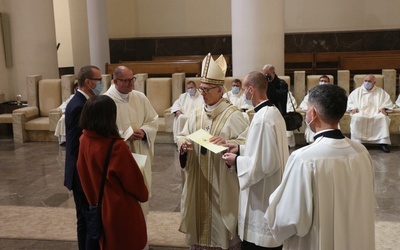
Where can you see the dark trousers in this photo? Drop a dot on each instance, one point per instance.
(251, 246)
(81, 205)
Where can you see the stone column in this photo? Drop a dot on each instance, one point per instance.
(79, 34)
(98, 33)
(33, 42)
(257, 35)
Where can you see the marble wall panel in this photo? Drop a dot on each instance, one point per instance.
(143, 49)
(342, 41)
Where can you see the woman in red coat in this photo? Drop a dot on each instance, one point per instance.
(124, 225)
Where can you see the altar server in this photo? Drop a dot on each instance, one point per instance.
(326, 198)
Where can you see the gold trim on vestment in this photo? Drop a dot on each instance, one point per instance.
(205, 175)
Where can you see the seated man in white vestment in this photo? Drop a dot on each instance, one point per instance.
(60, 131)
(368, 106)
(259, 164)
(209, 204)
(308, 134)
(184, 106)
(398, 102)
(290, 107)
(135, 112)
(326, 198)
(235, 96)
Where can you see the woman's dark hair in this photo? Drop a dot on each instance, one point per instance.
(99, 114)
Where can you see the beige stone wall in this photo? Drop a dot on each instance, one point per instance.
(156, 18)
(340, 15)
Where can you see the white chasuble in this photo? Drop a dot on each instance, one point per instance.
(138, 113)
(369, 125)
(209, 204)
(259, 168)
(326, 198)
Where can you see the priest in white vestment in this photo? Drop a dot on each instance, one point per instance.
(134, 110)
(235, 96)
(259, 164)
(209, 204)
(184, 106)
(368, 106)
(308, 134)
(326, 198)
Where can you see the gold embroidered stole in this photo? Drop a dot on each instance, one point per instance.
(205, 175)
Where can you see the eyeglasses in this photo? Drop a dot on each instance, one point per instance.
(127, 80)
(95, 79)
(205, 90)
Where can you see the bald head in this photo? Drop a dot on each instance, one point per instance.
(123, 79)
(120, 71)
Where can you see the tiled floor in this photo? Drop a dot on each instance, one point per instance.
(31, 174)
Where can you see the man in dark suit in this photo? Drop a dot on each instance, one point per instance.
(277, 88)
(89, 84)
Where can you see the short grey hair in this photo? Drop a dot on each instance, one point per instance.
(270, 67)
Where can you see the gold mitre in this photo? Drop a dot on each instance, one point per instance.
(213, 72)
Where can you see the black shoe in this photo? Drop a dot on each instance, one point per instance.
(385, 148)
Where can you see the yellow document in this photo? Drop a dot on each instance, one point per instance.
(202, 137)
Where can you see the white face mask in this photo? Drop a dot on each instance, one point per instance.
(309, 123)
(368, 85)
(248, 101)
(192, 92)
(99, 87)
(235, 89)
(322, 82)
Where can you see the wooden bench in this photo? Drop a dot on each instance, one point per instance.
(299, 62)
(369, 63)
(160, 68)
(318, 63)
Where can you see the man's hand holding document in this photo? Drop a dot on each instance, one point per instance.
(202, 138)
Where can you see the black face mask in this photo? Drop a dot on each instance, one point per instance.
(269, 77)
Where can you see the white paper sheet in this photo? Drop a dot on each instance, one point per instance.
(140, 160)
(127, 133)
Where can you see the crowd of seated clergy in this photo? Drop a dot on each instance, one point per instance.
(368, 106)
